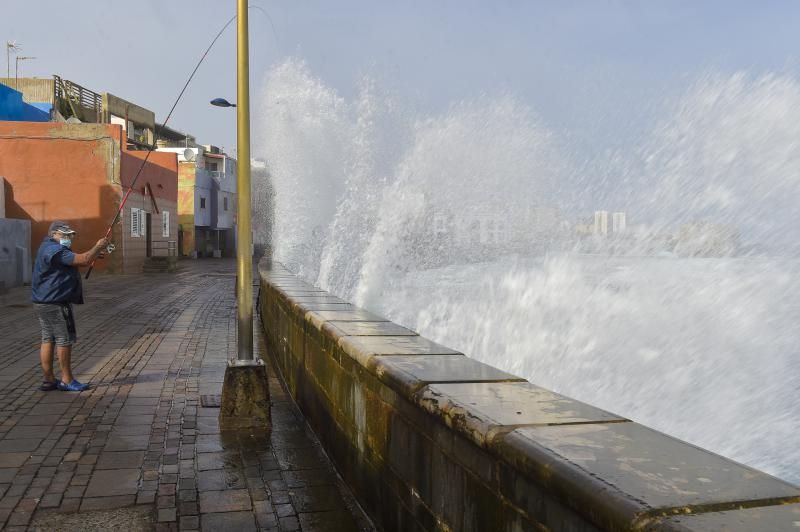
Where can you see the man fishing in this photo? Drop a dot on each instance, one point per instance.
(55, 287)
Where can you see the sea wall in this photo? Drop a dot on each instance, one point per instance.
(429, 439)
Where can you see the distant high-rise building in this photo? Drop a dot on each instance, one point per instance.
(601, 222)
(618, 223)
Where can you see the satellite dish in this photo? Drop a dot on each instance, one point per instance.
(189, 154)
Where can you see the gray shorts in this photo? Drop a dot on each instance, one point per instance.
(58, 323)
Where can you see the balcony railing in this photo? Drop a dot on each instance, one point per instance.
(72, 99)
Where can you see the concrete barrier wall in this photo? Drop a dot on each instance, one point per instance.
(429, 439)
(15, 252)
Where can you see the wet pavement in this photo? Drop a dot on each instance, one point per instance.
(139, 451)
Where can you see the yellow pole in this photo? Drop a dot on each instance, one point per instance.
(244, 258)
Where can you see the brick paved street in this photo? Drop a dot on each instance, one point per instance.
(138, 451)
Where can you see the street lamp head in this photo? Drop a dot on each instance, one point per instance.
(222, 102)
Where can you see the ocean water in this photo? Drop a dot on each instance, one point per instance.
(473, 227)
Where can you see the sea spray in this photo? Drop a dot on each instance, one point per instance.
(475, 227)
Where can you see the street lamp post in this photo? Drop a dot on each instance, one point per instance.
(244, 256)
(245, 392)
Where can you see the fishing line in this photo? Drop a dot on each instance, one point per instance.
(164, 125)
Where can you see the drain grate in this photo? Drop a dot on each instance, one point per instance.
(211, 401)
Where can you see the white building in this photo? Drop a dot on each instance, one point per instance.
(206, 195)
(618, 222)
(600, 222)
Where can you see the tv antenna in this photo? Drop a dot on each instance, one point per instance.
(11, 46)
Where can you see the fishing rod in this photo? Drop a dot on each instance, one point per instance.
(153, 147)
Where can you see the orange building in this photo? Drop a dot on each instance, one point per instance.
(79, 173)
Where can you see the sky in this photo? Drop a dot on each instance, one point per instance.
(591, 69)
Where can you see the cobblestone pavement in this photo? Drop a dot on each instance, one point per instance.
(138, 448)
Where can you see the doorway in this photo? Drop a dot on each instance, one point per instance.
(181, 252)
(148, 234)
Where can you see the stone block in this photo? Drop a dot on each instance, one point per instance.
(333, 521)
(778, 517)
(8, 459)
(224, 522)
(137, 441)
(14, 446)
(407, 374)
(219, 479)
(224, 501)
(302, 307)
(307, 478)
(317, 317)
(106, 503)
(302, 458)
(296, 338)
(367, 328)
(120, 460)
(410, 456)
(363, 348)
(310, 298)
(245, 397)
(105, 483)
(480, 410)
(618, 475)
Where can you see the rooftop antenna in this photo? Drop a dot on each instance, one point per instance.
(16, 69)
(11, 46)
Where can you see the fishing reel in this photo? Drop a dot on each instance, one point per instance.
(110, 248)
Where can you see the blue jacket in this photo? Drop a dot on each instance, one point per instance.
(55, 280)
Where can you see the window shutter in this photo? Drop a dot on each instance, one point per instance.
(142, 222)
(165, 224)
(135, 222)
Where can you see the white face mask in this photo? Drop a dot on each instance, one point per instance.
(66, 242)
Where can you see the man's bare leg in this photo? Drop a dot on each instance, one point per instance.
(65, 360)
(46, 358)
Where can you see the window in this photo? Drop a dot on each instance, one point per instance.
(202, 202)
(136, 223)
(496, 231)
(225, 203)
(439, 224)
(212, 167)
(165, 223)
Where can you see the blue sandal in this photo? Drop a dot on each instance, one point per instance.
(48, 386)
(74, 386)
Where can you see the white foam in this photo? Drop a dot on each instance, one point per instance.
(705, 349)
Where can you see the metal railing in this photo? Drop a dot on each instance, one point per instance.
(172, 143)
(74, 100)
(164, 248)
